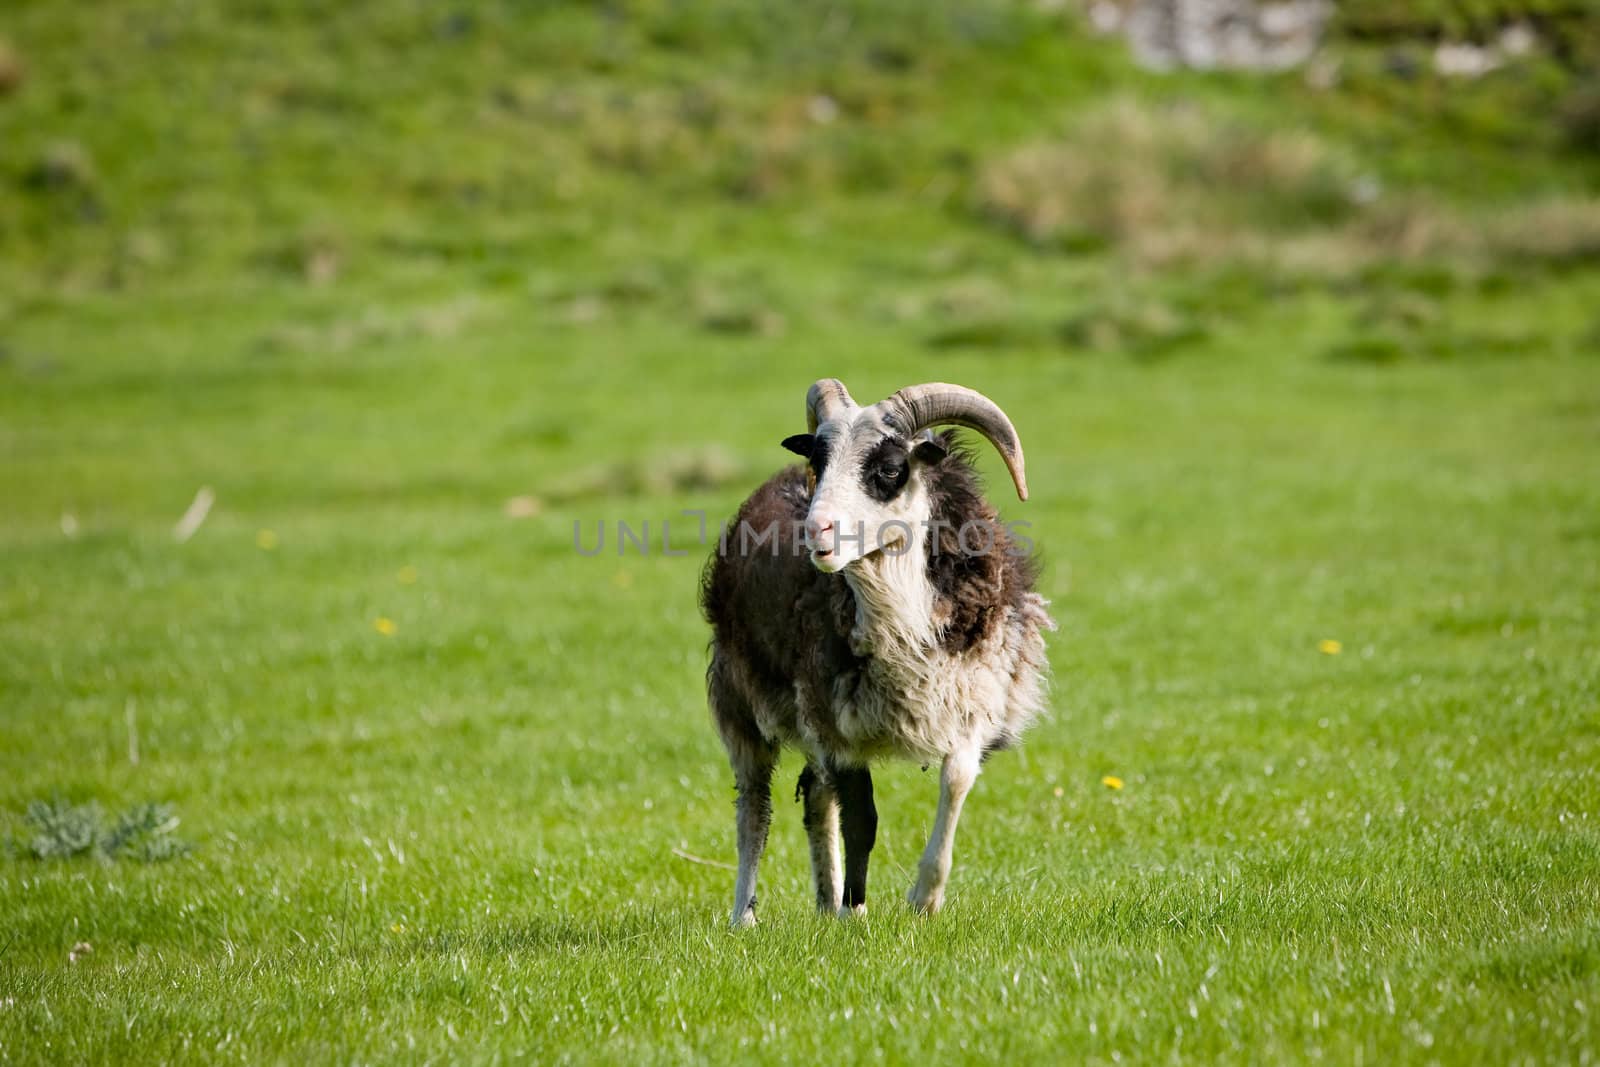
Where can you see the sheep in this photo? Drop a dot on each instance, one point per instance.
(869, 604)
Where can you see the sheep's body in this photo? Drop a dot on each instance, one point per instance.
(934, 652)
(904, 657)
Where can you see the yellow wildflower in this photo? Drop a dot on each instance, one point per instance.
(1329, 647)
(266, 540)
(384, 625)
(1111, 781)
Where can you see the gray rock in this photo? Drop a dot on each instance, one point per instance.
(1222, 34)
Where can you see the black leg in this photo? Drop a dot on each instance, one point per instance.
(860, 821)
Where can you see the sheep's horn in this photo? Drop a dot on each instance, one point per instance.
(937, 403)
(824, 400)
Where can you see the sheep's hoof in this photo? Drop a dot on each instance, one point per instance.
(744, 921)
(852, 911)
(926, 901)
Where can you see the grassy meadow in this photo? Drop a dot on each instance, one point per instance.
(1308, 374)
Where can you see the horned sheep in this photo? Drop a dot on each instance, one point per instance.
(870, 604)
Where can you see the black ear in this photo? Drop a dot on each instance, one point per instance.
(800, 444)
(929, 450)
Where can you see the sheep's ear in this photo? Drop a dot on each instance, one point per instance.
(929, 450)
(800, 444)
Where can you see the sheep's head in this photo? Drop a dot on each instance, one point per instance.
(869, 464)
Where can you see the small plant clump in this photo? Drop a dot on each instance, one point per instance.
(58, 829)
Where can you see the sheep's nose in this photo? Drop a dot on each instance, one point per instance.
(816, 530)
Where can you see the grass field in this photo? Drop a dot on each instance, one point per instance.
(1313, 477)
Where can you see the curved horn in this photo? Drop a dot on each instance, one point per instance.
(823, 400)
(919, 406)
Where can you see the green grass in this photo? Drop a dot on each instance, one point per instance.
(463, 840)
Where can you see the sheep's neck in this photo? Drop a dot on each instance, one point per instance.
(894, 605)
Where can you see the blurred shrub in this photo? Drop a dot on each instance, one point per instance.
(11, 69)
(1439, 344)
(1558, 231)
(1579, 115)
(1449, 18)
(1165, 182)
(986, 334)
(1553, 231)
(1399, 322)
(1567, 30)
(1144, 329)
(145, 832)
(374, 325)
(659, 474)
(59, 830)
(63, 166)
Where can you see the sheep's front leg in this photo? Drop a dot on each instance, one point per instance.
(821, 798)
(956, 776)
(860, 818)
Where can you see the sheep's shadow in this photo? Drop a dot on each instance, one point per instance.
(557, 934)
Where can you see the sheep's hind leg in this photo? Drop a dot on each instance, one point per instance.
(753, 780)
(860, 818)
(816, 788)
(956, 776)
(752, 757)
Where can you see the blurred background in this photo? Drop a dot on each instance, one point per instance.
(323, 325)
(331, 251)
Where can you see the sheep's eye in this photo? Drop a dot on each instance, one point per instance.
(884, 471)
(887, 480)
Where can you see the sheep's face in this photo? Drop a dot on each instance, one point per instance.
(869, 488)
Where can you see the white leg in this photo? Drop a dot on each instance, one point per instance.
(825, 865)
(754, 814)
(752, 759)
(959, 771)
(822, 830)
(744, 895)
